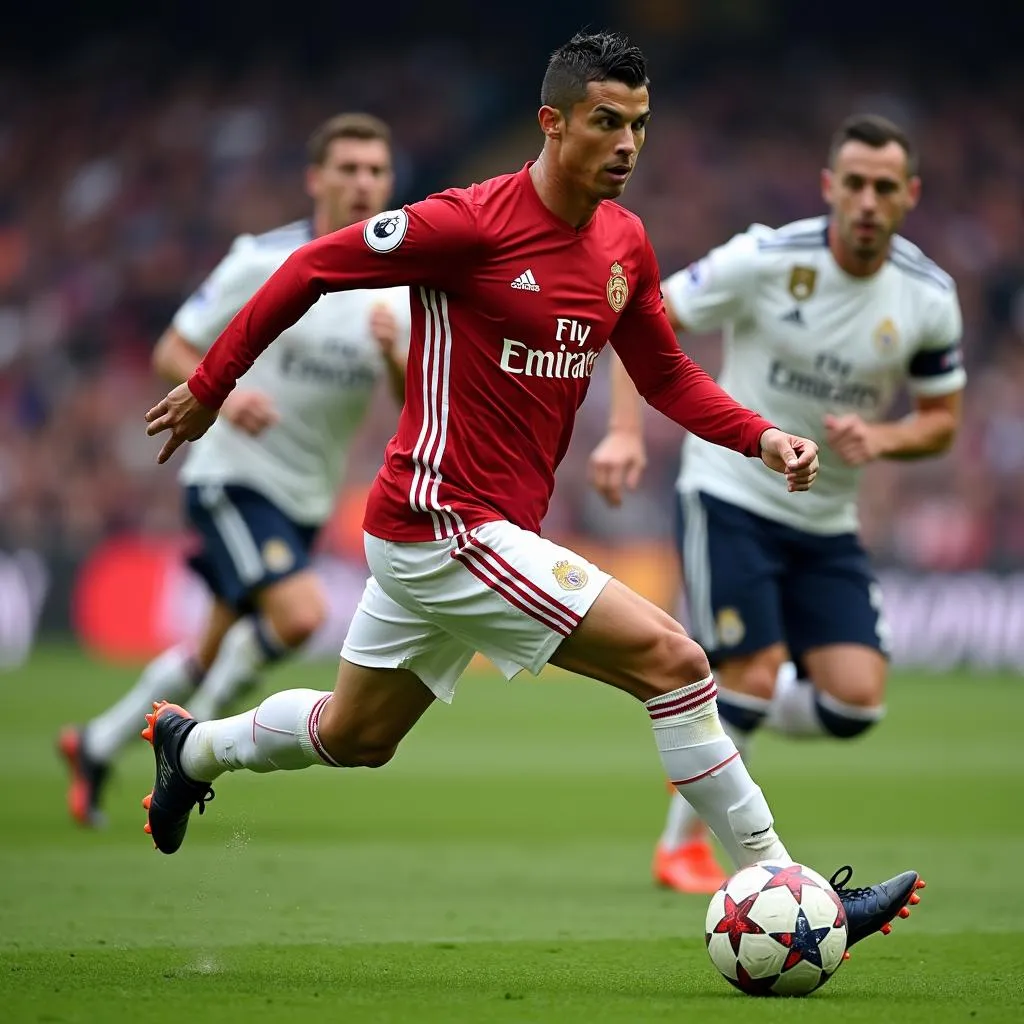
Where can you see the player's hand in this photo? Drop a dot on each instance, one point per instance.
(796, 457)
(251, 411)
(183, 415)
(853, 440)
(617, 462)
(384, 328)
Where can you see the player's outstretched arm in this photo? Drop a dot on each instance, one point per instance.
(618, 462)
(426, 243)
(183, 415)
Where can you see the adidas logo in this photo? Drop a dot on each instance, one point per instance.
(794, 316)
(526, 282)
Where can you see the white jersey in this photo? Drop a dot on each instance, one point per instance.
(320, 374)
(801, 339)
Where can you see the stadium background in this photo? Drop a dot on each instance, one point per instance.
(498, 870)
(135, 142)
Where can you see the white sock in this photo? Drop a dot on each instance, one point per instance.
(683, 824)
(247, 646)
(170, 676)
(703, 762)
(792, 710)
(279, 735)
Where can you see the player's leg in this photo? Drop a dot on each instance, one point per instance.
(393, 666)
(261, 558)
(731, 567)
(626, 641)
(289, 612)
(173, 675)
(833, 612)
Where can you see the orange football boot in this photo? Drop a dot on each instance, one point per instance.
(691, 867)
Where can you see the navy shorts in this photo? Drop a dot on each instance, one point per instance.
(752, 582)
(246, 541)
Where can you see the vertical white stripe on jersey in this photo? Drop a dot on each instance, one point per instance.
(435, 413)
(417, 452)
(446, 326)
(423, 494)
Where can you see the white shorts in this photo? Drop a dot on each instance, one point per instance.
(497, 589)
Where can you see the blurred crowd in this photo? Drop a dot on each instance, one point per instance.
(120, 190)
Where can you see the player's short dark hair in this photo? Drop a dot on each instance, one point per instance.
(590, 57)
(345, 126)
(875, 131)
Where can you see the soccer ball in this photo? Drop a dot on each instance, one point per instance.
(776, 929)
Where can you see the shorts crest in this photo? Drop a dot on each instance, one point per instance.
(277, 555)
(569, 577)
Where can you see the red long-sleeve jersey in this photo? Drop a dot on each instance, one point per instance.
(510, 308)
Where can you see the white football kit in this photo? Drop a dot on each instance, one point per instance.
(801, 339)
(320, 374)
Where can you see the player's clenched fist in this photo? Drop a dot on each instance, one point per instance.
(183, 415)
(796, 457)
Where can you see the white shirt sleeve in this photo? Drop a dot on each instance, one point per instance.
(230, 285)
(715, 289)
(936, 366)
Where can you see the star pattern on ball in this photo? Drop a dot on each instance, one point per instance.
(736, 921)
(804, 943)
(791, 878)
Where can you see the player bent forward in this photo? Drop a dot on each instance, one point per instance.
(262, 482)
(518, 284)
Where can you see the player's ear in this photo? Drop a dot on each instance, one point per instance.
(826, 185)
(551, 121)
(913, 191)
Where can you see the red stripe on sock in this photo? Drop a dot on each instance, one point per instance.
(313, 725)
(685, 702)
(704, 775)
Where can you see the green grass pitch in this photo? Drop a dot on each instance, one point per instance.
(497, 870)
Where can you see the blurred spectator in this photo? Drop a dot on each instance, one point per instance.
(120, 189)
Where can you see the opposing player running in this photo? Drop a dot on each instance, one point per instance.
(263, 481)
(518, 284)
(825, 320)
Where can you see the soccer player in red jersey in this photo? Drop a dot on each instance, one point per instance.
(516, 286)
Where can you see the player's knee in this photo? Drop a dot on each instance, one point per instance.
(860, 692)
(675, 660)
(295, 624)
(753, 678)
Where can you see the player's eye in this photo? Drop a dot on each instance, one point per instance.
(885, 188)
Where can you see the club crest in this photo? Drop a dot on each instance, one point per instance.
(570, 577)
(886, 337)
(801, 282)
(617, 288)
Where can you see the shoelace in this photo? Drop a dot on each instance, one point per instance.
(206, 798)
(839, 881)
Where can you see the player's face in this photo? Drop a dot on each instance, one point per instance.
(354, 182)
(603, 137)
(870, 193)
